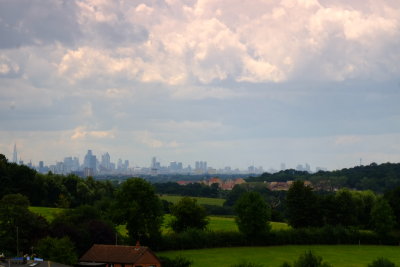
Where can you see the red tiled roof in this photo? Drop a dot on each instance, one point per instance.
(113, 254)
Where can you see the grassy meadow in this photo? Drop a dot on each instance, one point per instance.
(274, 256)
(216, 223)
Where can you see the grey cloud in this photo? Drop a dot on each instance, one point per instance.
(25, 22)
(120, 33)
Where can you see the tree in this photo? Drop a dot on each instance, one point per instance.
(382, 217)
(393, 197)
(140, 209)
(84, 226)
(188, 214)
(17, 220)
(382, 262)
(253, 214)
(302, 206)
(346, 209)
(234, 195)
(59, 250)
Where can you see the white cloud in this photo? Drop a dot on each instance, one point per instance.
(82, 132)
(147, 138)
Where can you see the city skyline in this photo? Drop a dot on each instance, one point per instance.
(232, 83)
(103, 163)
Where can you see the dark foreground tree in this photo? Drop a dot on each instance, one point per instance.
(253, 215)
(188, 214)
(17, 220)
(84, 227)
(140, 209)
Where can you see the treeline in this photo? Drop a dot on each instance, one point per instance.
(51, 190)
(193, 190)
(378, 178)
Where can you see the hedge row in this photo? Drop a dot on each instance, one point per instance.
(328, 235)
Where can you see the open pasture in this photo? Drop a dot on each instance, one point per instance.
(274, 256)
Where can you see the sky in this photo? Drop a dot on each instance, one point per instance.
(234, 83)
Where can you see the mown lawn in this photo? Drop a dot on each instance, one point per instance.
(274, 256)
(48, 213)
(200, 200)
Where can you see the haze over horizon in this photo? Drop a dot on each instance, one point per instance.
(234, 83)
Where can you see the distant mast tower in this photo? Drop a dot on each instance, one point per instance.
(15, 155)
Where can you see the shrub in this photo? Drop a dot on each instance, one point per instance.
(382, 262)
(176, 262)
(308, 259)
(246, 264)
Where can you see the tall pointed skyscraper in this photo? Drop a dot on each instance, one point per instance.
(15, 155)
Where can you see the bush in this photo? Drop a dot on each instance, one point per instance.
(176, 262)
(382, 262)
(60, 250)
(308, 259)
(246, 264)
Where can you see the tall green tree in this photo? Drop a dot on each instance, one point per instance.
(60, 250)
(253, 215)
(302, 206)
(393, 197)
(140, 209)
(19, 228)
(382, 217)
(188, 214)
(84, 226)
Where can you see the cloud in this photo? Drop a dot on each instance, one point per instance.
(149, 140)
(24, 23)
(83, 133)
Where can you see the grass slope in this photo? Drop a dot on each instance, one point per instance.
(274, 256)
(200, 200)
(48, 213)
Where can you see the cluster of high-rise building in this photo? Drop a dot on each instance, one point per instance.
(97, 166)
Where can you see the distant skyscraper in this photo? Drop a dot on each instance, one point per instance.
(15, 155)
(89, 164)
(106, 161)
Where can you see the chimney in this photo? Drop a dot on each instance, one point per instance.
(137, 244)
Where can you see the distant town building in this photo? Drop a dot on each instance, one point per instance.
(15, 155)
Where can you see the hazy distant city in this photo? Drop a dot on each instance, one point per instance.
(94, 165)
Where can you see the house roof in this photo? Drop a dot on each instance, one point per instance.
(114, 254)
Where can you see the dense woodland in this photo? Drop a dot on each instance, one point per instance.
(350, 206)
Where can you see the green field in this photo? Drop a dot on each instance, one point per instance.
(200, 200)
(218, 223)
(274, 256)
(48, 213)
